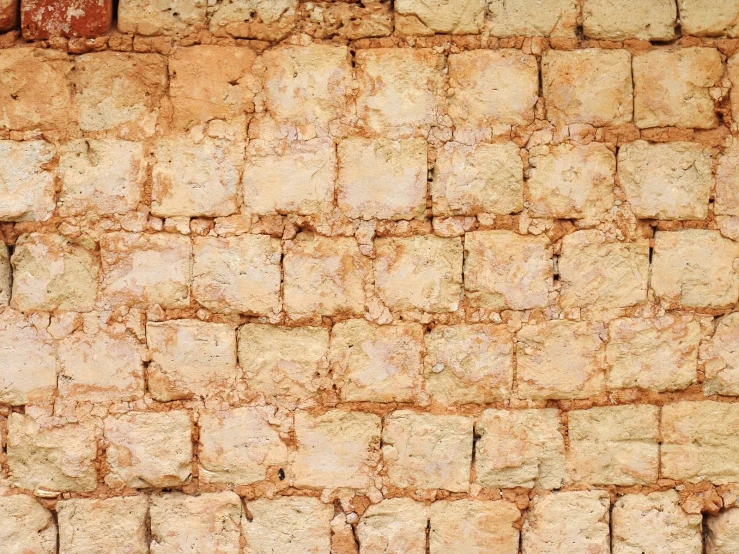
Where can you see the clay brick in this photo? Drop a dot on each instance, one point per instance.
(455, 17)
(336, 449)
(425, 451)
(705, 18)
(26, 185)
(161, 17)
(393, 525)
(237, 274)
(148, 449)
(5, 275)
(26, 526)
(372, 18)
(288, 525)
(505, 270)
(377, 363)
(468, 364)
(520, 448)
(510, 18)
(8, 16)
(41, 19)
(671, 87)
(721, 355)
(571, 181)
(628, 19)
(722, 532)
(587, 86)
(595, 272)
(732, 70)
(473, 527)
(727, 173)
(560, 360)
(264, 20)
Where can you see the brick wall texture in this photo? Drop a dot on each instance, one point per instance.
(379, 277)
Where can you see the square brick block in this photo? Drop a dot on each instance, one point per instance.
(473, 527)
(705, 18)
(270, 21)
(161, 17)
(721, 354)
(722, 536)
(304, 526)
(393, 525)
(511, 18)
(8, 16)
(26, 526)
(628, 19)
(455, 17)
(26, 183)
(42, 19)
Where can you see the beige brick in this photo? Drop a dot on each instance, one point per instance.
(209, 522)
(595, 272)
(148, 449)
(349, 20)
(587, 86)
(393, 525)
(101, 176)
(26, 184)
(567, 522)
(382, 178)
(732, 71)
(237, 274)
(238, 446)
(6, 278)
(520, 448)
(505, 270)
(721, 355)
(473, 527)
(419, 273)
(336, 449)
(654, 523)
(727, 174)
(510, 18)
(43, 454)
(484, 178)
(260, 19)
(288, 525)
(656, 354)
(671, 87)
(706, 18)
(284, 361)
(452, 17)
(377, 363)
(324, 276)
(425, 451)
(52, 273)
(627, 19)
(572, 182)
(722, 532)
(26, 527)
(695, 268)
(560, 360)
(139, 270)
(113, 525)
(161, 17)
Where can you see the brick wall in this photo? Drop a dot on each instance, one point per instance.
(410, 277)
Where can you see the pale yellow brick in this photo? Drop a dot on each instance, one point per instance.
(26, 527)
(727, 175)
(288, 525)
(393, 526)
(706, 18)
(510, 18)
(627, 19)
(26, 184)
(721, 356)
(161, 17)
(473, 527)
(6, 278)
(350, 20)
(722, 532)
(452, 17)
(259, 19)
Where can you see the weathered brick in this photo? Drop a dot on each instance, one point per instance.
(706, 18)
(726, 201)
(288, 525)
(372, 18)
(26, 527)
(41, 19)
(627, 19)
(393, 525)
(26, 184)
(721, 356)
(510, 18)
(161, 17)
(473, 527)
(259, 19)
(453, 17)
(722, 532)
(6, 278)
(8, 16)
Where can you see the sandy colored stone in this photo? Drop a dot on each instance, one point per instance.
(567, 522)
(722, 532)
(209, 522)
(695, 268)
(595, 272)
(394, 526)
(628, 19)
(450, 17)
(726, 200)
(237, 274)
(139, 270)
(6, 277)
(654, 523)
(372, 18)
(113, 525)
(510, 18)
(336, 449)
(288, 525)
(520, 448)
(721, 356)
(376, 363)
(570, 181)
(26, 527)
(26, 184)
(161, 17)
(706, 18)
(473, 527)
(503, 269)
(425, 451)
(148, 449)
(666, 181)
(382, 178)
(671, 87)
(259, 19)
(52, 273)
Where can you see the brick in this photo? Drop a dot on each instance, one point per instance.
(374, 363)
(424, 451)
(27, 527)
(239, 446)
(42, 454)
(586, 514)
(161, 17)
(722, 532)
(732, 71)
(666, 181)
(455, 17)
(239, 274)
(288, 525)
(114, 525)
(569, 181)
(629, 19)
(120, 93)
(271, 20)
(484, 178)
(560, 360)
(323, 276)
(8, 15)
(726, 201)
(587, 86)
(148, 449)
(284, 361)
(50, 273)
(672, 88)
(595, 272)
(705, 18)
(393, 525)
(721, 356)
(520, 448)
(26, 184)
(336, 449)
(505, 270)
(468, 364)
(382, 178)
(6, 278)
(654, 523)
(473, 527)
(656, 354)
(352, 21)
(146, 269)
(42, 19)
(615, 445)
(695, 268)
(510, 18)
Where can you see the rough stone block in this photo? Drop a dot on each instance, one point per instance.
(393, 525)
(726, 201)
(268, 20)
(6, 277)
(473, 527)
(629, 19)
(161, 17)
(455, 17)
(8, 17)
(26, 183)
(26, 527)
(705, 18)
(721, 355)
(288, 525)
(722, 532)
(42, 19)
(510, 18)
(373, 18)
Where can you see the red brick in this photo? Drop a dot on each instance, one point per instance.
(41, 19)
(8, 15)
